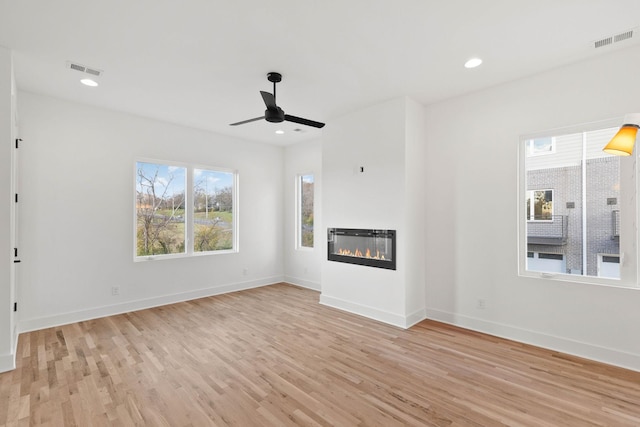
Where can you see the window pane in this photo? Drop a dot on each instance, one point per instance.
(160, 203)
(572, 197)
(557, 257)
(213, 210)
(306, 211)
(543, 209)
(540, 146)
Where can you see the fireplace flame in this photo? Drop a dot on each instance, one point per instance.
(358, 253)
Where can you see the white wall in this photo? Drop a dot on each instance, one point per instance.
(77, 187)
(472, 222)
(302, 266)
(417, 201)
(380, 139)
(6, 212)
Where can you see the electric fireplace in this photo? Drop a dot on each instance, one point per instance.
(372, 248)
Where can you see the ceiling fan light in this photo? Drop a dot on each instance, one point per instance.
(623, 142)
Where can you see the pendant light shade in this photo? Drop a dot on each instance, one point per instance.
(623, 142)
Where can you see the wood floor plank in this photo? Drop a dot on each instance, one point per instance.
(273, 356)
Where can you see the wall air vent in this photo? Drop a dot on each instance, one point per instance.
(609, 40)
(84, 69)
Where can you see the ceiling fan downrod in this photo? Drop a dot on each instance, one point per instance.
(275, 78)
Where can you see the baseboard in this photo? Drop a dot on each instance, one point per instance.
(403, 322)
(564, 345)
(7, 362)
(110, 310)
(415, 317)
(303, 283)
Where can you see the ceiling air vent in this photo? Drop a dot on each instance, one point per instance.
(609, 40)
(603, 42)
(624, 36)
(84, 69)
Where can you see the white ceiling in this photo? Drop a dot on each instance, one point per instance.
(202, 63)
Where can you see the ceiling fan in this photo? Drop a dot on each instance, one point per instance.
(273, 113)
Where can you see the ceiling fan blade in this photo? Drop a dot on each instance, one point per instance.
(269, 100)
(302, 121)
(247, 121)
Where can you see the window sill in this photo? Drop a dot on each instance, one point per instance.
(184, 255)
(582, 280)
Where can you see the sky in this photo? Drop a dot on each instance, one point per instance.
(210, 180)
(173, 178)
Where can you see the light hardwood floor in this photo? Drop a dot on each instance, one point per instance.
(274, 356)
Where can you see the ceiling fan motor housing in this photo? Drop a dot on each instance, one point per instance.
(274, 77)
(273, 115)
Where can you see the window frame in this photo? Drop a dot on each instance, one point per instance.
(629, 187)
(234, 214)
(298, 212)
(187, 199)
(189, 210)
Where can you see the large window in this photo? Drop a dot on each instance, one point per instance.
(577, 208)
(182, 210)
(304, 222)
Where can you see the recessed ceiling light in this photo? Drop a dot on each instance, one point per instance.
(473, 63)
(89, 82)
(280, 132)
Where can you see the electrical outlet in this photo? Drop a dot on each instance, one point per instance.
(115, 291)
(245, 271)
(481, 303)
(306, 270)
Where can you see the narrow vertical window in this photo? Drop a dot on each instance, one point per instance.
(160, 209)
(213, 224)
(305, 211)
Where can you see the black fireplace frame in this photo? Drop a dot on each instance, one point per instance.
(369, 262)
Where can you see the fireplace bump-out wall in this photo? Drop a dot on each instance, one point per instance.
(373, 177)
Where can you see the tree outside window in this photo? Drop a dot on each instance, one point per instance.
(213, 210)
(160, 209)
(305, 219)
